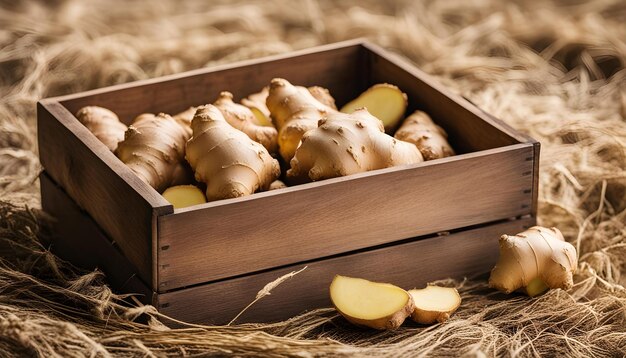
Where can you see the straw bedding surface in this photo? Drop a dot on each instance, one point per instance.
(553, 70)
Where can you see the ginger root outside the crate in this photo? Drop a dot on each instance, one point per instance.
(384, 101)
(154, 149)
(346, 144)
(226, 159)
(294, 111)
(533, 261)
(182, 196)
(434, 304)
(242, 118)
(430, 139)
(104, 124)
(370, 304)
(257, 103)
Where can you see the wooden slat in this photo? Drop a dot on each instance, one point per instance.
(76, 238)
(237, 236)
(99, 183)
(524, 138)
(407, 265)
(535, 188)
(337, 66)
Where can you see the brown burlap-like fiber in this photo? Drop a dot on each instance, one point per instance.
(553, 70)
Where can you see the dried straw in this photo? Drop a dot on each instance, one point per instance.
(554, 70)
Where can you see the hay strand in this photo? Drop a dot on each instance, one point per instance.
(553, 69)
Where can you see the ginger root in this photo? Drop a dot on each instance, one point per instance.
(370, 304)
(184, 118)
(242, 118)
(256, 102)
(182, 196)
(345, 144)
(384, 101)
(277, 184)
(430, 139)
(104, 124)
(227, 160)
(154, 148)
(434, 304)
(322, 95)
(294, 111)
(533, 261)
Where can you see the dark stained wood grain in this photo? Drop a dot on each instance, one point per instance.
(79, 240)
(524, 138)
(535, 188)
(233, 237)
(407, 265)
(99, 183)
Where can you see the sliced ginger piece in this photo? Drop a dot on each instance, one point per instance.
(434, 304)
(182, 196)
(384, 101)
(370, 304)
(533, 261)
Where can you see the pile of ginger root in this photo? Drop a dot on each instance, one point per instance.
(283, 133)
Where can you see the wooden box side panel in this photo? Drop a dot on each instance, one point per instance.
(78, 239)
(468, 128)
(339, 67)
(407, 265)
(272, 229)
(99, 183)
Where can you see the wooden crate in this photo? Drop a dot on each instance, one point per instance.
(205, 262)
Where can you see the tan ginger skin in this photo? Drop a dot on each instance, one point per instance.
(257, 101)
(345, 144)
(242, 118)
(184, 118)
(154, 149)
(294, 112)
(537, 253)
(430, 139)
(104, 124)
(227, 160)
